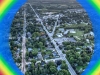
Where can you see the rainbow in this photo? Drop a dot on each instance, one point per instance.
(95, 4)
(7, 65)
(93, 9)
(10, 69)
(96, 69)
(5, 68)
(5, 5)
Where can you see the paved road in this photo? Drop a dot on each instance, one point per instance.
(54, 27)
(23, 44)
(63, 56)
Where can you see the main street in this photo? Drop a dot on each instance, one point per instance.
(23, 44)
(55, 26)
(63, 56)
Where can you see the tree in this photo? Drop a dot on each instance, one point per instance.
(34, 53)
(63, 72)
(18, 60)
(52, 70)
(71, 59)
(64, 66)
(26, 73)
(59, 62)
(33, 61)
(43, 53)
(40, 44)
(51, 64)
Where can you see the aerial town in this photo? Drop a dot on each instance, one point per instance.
(51, 38)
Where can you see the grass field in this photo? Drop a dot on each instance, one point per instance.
(78, 33)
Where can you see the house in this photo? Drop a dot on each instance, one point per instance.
(46, 56)
(87, 40)
(59, 35)
(61, 29)
(40, 56)
(29, 49)
(90, 48)
(66, 32)
(43, 63)
(69, 31)
(72, 31)
(91, 33)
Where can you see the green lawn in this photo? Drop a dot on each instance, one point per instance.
(78, 33)
(48, 52)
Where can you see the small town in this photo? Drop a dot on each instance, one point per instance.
(49, 38)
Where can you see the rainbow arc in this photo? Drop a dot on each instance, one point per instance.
(95, 4)
(5, 5)
(5, 68)
(96, 69)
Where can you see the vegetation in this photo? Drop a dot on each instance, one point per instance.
(39, 48)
